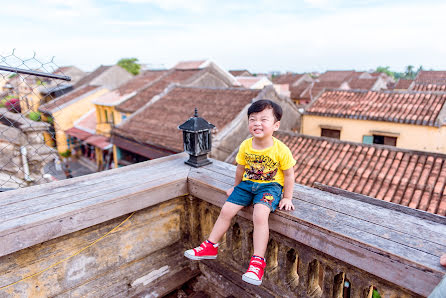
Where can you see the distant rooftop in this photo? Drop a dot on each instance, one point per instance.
(219, 106)
(411, 178)
(420, 108)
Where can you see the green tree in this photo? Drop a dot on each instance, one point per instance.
(130, 64)
(410, 73)
(385, 70)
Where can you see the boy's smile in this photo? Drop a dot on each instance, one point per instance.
(261, 125)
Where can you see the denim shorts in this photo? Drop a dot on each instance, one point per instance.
(248, 192)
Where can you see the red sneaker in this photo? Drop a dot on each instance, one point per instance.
(205, 251)
(255, 271)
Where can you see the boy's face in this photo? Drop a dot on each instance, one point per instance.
(262, 125)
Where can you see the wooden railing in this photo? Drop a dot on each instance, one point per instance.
(335, 244)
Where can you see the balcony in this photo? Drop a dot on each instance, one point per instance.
(335, 244)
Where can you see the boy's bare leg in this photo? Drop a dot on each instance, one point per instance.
(228, 211)
(261, 229)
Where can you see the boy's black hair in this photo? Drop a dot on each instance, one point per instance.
(260, 105)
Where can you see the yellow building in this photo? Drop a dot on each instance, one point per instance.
(405, 119)
(68, 108)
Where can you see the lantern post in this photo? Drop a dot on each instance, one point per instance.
(197, 140)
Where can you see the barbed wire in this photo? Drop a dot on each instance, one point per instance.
(28, 154)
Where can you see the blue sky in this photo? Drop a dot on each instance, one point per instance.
(268, 35)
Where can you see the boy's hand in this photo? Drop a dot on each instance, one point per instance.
(229, 191)
(287, 204)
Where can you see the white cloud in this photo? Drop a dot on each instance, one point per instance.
(360, 38)
(197, 6)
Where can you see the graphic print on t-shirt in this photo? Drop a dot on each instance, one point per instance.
(260, 167)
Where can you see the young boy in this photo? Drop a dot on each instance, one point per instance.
(264, 171)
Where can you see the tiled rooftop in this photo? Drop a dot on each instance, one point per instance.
(362, 84)
(420, 108)
(132, 104)
(318, 87)
(140, 81)
(431, 76)
(58, 102)
(297, 91)
(338, 75)
(149, 125)
(403, 84)
(288, 78)
(429, 87)
(410, 178)
(240, 72)
(133, 85)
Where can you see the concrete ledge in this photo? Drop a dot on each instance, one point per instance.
(400, 247)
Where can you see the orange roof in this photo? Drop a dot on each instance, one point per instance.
(411, 178)
(410, 107)
(431, 76)
(429, 87)
(78, 133)
(403, 84)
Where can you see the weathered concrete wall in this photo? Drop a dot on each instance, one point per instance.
(19, 132)
(293, 269)
(145, 254)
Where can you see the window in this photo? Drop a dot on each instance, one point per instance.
(379, 139)
(123, 117)
(112, 117)
(384, 140)
(331, 133)
(106, 116)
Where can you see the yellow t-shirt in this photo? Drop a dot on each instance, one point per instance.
(266, 165)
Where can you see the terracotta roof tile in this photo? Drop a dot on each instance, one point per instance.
(403, 84)
(420, 108)
(149, 124)
(288, 78)
(140, 81)
(297, 91)
(411, 178)
(132, 104)
(135, 84)
(58, 102)
(429, 87)
(362, 84)
(338, 75)
(318, 87)
(431, 76)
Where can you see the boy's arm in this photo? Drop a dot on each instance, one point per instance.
(288, 186)
(238, 178)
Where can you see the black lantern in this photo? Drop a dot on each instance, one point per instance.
(197, 140)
